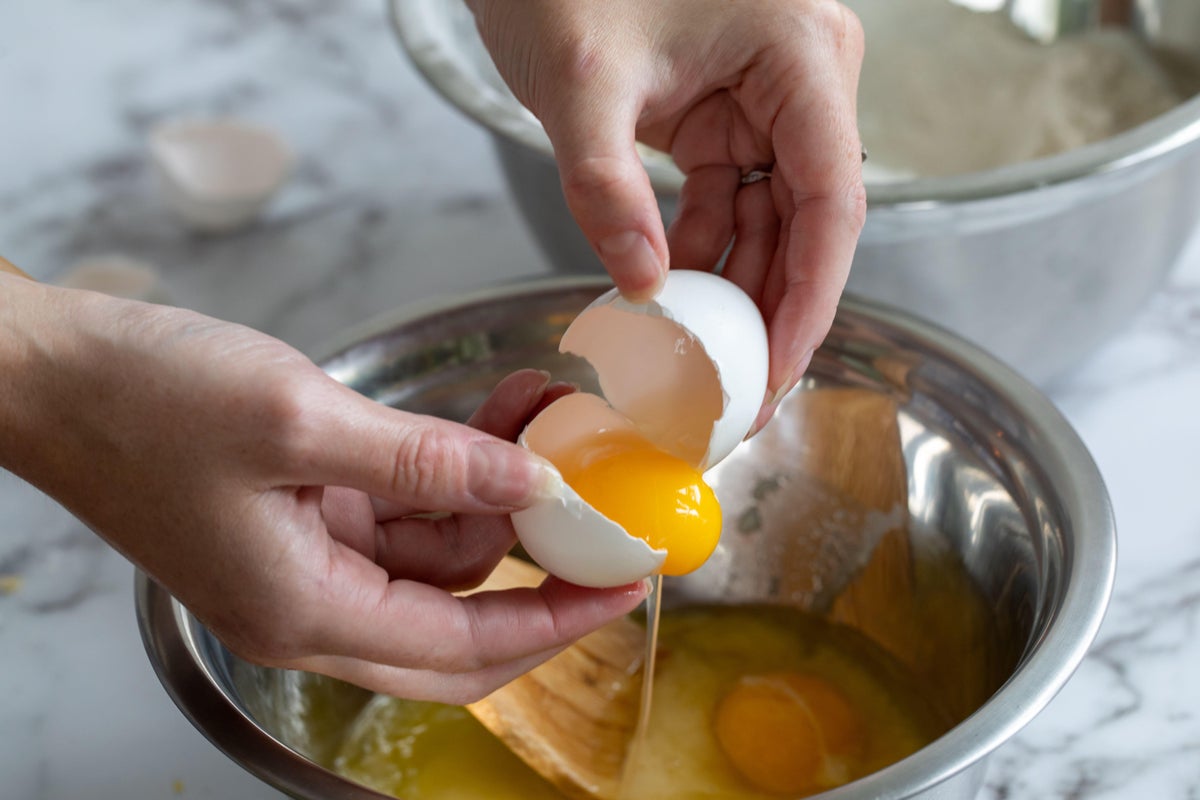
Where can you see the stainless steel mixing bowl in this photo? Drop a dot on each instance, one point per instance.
(988, 580)
(1038, 262)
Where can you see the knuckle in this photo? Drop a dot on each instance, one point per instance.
(467, 689)
(855, 199)
(453, 653)
(285, 429)
(844, 28)
(827, 22)
(426, 464)
(582, 57)
(273, 644)
(455, 650)
(853, 34)
(593, 180)
(830, 15)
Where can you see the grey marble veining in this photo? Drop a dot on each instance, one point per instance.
(393, 196)
(396, 198)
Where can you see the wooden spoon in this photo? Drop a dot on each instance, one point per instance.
(8, 266)
(572, 718)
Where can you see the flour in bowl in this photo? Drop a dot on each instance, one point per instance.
(946, 90)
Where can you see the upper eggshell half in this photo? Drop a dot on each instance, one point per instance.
(689, 367)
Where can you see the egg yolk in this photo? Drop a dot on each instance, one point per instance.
(654, 496)
(789, 732)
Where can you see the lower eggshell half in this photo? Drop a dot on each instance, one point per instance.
(571, 540)
(562, 533)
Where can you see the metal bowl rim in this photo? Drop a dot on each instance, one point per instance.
(1146, 143)
(1050, 662)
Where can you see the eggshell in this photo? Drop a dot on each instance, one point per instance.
(117, 275)
(218, 175)
(565, 535)
(672, 389)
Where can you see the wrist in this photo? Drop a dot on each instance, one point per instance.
(23, 309)
(36, 329)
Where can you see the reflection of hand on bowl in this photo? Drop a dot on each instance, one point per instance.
(1038, 261)
(999, 491)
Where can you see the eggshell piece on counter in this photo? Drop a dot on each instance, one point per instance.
(118, 276)
(218, 175)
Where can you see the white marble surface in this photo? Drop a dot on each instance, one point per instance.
(396, 198)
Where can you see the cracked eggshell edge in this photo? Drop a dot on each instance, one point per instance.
(575, 542)
(729, 327)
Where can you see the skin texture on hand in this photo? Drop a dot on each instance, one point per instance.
(277, 504)
(724, 87)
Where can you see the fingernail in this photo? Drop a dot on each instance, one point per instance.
(639, 590)
(543, 385)
(629, 258)
(764, 416)
(797, 373)
(772, 399)
(509, 476)
(550, 481)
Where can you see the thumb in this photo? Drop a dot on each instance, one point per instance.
(606, 185)
(422, 463)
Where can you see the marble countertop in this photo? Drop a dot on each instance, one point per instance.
(397, 198)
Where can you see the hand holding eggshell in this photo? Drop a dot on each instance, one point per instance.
(728, 90)
(683, 377)
(282, 508)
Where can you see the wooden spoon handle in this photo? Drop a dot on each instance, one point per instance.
(512, 573)
(570, 719)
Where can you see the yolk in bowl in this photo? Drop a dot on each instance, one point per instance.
(654, 496)
(789, 732)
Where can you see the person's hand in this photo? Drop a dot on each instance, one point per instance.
(725, 88)
(277, 504)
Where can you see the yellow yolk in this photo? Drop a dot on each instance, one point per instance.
(652, 495)
(789, 732)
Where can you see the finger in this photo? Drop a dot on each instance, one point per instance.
(454, 553)
(605, 184)
(756, 240)
(413, 625)
(819, 159)
(416, 684)
(413, 460)
(350, 518)
(507, 410)
(555, 391)
(704, 223)
(458, 551)
(716, 132)
(776, 277)
(820, 245)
